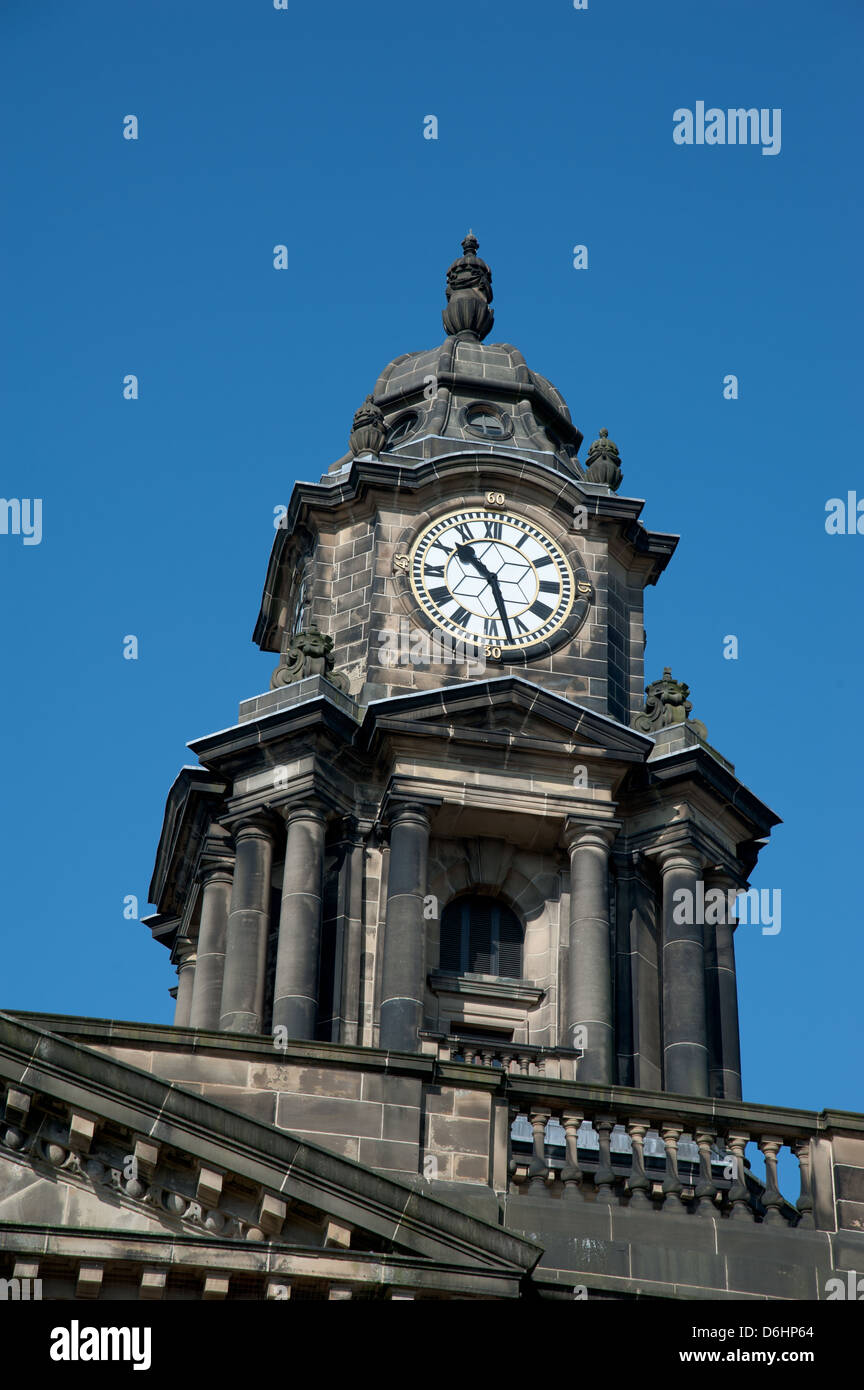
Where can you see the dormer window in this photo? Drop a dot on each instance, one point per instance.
(487, 422)
(405, 425)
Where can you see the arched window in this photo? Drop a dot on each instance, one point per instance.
(481, 936)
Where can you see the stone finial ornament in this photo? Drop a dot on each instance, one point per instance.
(666, 703)
(308, 653)
(603, 462)
(469, 293)
(368, 431)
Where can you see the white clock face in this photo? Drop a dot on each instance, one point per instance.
(493, 577)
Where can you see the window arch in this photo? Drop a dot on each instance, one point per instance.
(482, 936)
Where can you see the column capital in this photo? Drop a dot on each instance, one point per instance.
(257, 824)
(597, 834)
(408, 812)
(211, 870)
(676, 855)
(185, 952)
(309, 808)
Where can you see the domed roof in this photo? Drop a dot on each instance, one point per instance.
(468, 392)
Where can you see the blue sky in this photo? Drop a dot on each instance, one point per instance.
(305, 127)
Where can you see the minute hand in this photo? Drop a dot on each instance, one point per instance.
(499, 599)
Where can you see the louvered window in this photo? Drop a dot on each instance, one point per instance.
(481, 936)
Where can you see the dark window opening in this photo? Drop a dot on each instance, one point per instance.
(481, 936)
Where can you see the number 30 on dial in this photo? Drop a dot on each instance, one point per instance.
(492, 577)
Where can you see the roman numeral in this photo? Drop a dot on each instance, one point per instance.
(519, 626)
(549, 586)
(541, 610)
(437, 570)
(493, 530)
(544, 560)
(460, 616)
(440, 595)
(490, 627)
(465, 531)
(519, 544)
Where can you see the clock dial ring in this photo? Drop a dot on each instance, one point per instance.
(493, 577)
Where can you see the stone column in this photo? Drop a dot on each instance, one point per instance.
(295, 994)
(352, 934)
(185, 952)
(216, 881)
(685, 1038)
(722, 989)
(248, 924)
(589, 974)
(402, 957)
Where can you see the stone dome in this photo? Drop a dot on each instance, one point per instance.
(468, 393)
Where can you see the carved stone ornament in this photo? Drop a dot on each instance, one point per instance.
(666, 703)
(603, 462)
(368, 431)
(469, 293)
(308, 653)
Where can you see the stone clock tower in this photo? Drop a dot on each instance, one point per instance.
(450, 907)
(456, 730)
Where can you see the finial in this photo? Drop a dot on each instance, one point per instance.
(469, 293)
(368, 431)
(603, 462)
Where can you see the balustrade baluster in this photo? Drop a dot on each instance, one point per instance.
(638, 1184)
(604, 1177)
(772, 1198)
(739, 1195)
(706, 1187)
(801, 1150)
(571, 1173)
(672, 1185)
(538, 1167)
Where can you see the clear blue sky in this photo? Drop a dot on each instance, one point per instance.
(304, 127)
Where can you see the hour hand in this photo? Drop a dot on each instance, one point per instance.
(466, 554)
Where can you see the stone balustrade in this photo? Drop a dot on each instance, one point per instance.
(626, 1156)
(522, 1059)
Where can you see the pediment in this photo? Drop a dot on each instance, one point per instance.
(508, 709)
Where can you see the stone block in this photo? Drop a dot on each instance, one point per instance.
(458, 1135)
(849, 1182)
(329, 1115)
(89, 1281)
(308, 1081)
(152, 1285)
(472, 1105)
(401, 1122)
(471, 1168)
(389, 1154)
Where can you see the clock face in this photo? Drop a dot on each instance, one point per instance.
(492, 577)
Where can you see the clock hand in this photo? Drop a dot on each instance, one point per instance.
(467, 556)
(499, 599)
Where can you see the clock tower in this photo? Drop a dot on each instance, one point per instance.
(454, 816)
(452, 906)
